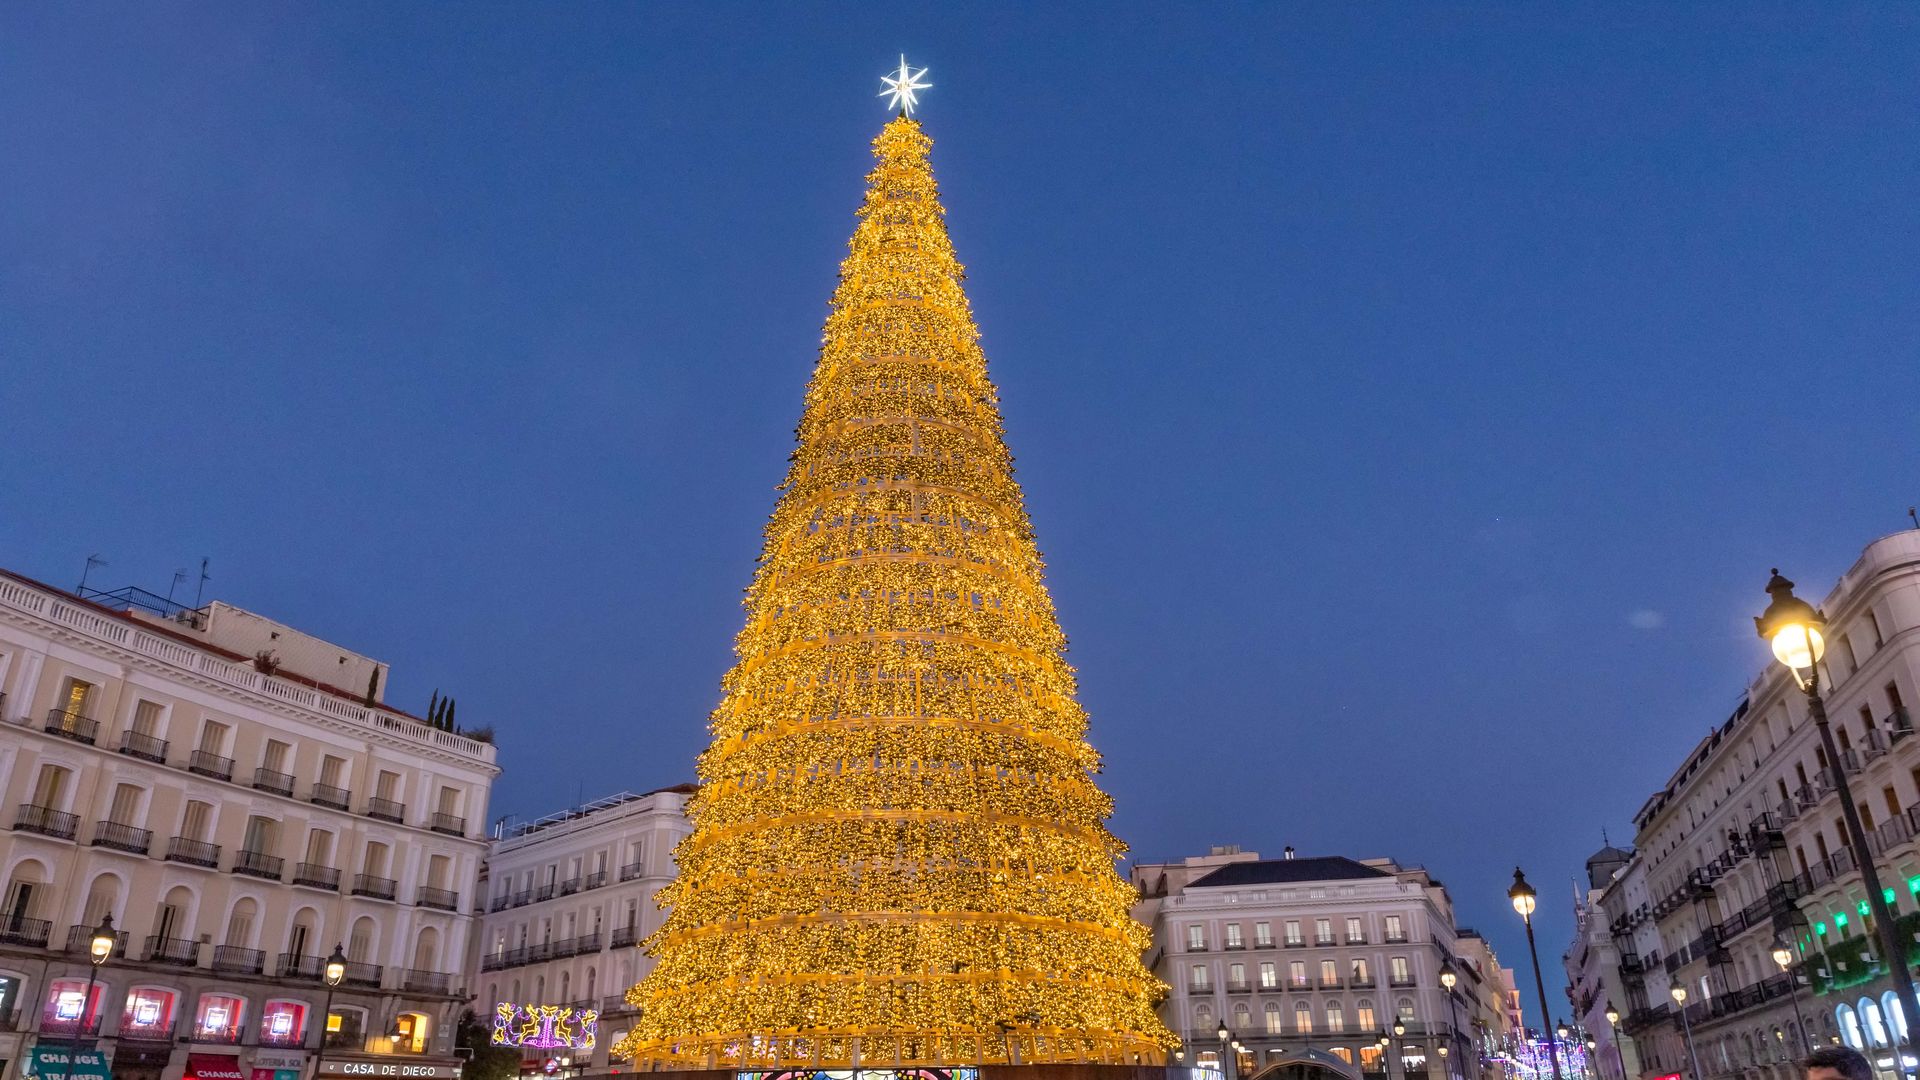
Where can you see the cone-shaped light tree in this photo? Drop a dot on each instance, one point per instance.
(899, 854)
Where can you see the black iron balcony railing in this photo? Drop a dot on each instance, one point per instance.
(624, 936)
(444, 899)
(1296, 943)
(173, 950)
(233, 958)
(521, 898)
(227, 1036)
(46, 821)
(1361, 982)
(345, 1040)
(71, 1029)
(258, 864)
(386, 809)
(632, 870)
(71, 725)
(134, 744)
(327, 795)
(193, 852)
(1242, 987)
(361, 974)
(596, 879)
(296, 966)
(569, 886)
(1323, 941)
(545, 892)
(112, 834)
(425, 982)
(316, 876)
(208, 763)
(277, 782)
(20, 930)
(380, 888)
(288, 1041)
(451, 824)
(80, 940)
(1329, 984)
(1400, 980)
(1395, 939)
(1356, 939)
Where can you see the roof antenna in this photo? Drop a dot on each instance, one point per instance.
(202, 590)
(93, 560)
(178, 577)
(1914, 513)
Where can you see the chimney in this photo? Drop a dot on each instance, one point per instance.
(1288, 855)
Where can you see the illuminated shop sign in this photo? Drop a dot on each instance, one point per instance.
(545, 1027)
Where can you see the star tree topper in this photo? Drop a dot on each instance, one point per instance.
(901, 87)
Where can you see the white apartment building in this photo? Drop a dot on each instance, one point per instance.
(1489, 1000)
(1309, 962)
(235, 796)
(1744, 846)
(570, 899)
(1593, 970)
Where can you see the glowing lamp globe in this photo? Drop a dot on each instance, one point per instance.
(1782, 954)
(1791, 626)
(336, 969)
(1613, 1015)
(1522, 894)
(101, 946)
(1399, 1027)
(1680, 994)
(1448, 978)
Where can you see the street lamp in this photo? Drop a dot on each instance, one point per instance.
(1524, 901)
(1783, 955)
(1619, 1047)
(1386, 1055)
(1226, 1040)
(332, 974)
(1448, 979)
(99, 948)
(1680, 999)
(1792, 627)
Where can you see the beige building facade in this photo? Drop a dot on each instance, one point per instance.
(236, 797)
(570, 899)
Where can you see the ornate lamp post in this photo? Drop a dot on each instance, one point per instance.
(332, 974)
(1524, 901)
(1680, 999)
(1448, 979)
(99, 948)
(1386, 1055)
(1226, 1047)
(1792, 627)
(1783, 955)
(1619, 1047)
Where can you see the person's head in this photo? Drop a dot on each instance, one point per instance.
(1838, 1063)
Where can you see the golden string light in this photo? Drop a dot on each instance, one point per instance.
(899, 853)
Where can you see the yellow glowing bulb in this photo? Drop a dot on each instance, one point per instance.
(1798, 646)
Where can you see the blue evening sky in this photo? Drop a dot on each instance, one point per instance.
(1410, 398)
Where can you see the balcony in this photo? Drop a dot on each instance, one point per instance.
(379, 888)
(1200, 988)
(112, 834)
(1299, 984)
(1401, 981)
(296, 966)
(71, 725)
(338, 798)
(1361, 982)
(46, 821)
(238, 961)
(278, 783)
(1329, 984)
(80, 940)
(632, 870)
(569, 886)
(1323, 942)
(208, 763)
(316, 876)
(595, 880)
(425, 982)
(193, 852)
(292, 1040)
(1296, 943)
(360, 974)
(443, 899)
(258, 864)
(545, 892)
(1240, 987)
(145, 747)
(624, 936)
(32, 933)
(1356, 939)
(172, 950)
(386, 810)
(521, 898)
(1395, 939)
(615, 1005)
(451, 824)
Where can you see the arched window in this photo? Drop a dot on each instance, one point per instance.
(70, 1009)
(303, 935)
(566, 986)
(27, 894)
(1875, 1025)
(1363, 1017)
(590, 983)
(1276, 1025)
(103, 899)
(148, 1014)
(411, 1032)
(240, 923)
(347, 1027)
(218, 1019)
(174, 919)
(1302, 1018)
(1242, 1016)
(1849, 1027)
(1403, 1009)
(426, 950)
(1896, 1016)
(1336, 1017)
(360, 941)
(283, 1023)
(1344, 1053)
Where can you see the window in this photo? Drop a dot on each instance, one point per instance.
(1873, 622)
(410, 1029)
(1360, 976)
(1846, 648)
(319, 847)
(70, 1009)
(240, 924)
(1233, 936)
(126, 805)
(148, 1014)
(1263, 934)
(1402, 974)
(1329, 973)
(1275, 1025)
(1293, 932)
(146, 718)
(196, 820)
(1196, 938)
(333, 772)
(261, 835)
(283, 1023)
(1323, 931)
(274, 758)
(1336, 1017)
(387, 784)
(50, 787)
(1197, 978)
(1355, 935)
(346, 1026)
(1297, 973)
(374, 864)
(1893, 699)
(1236, 975)
(1403, 1010)
(218, 1018)
(1363, 1015)
(449, 803)
(1269, 978)
(1302, 1018)
(75, 696)
(1394, 930)
(213, 737)
(1242, 1017)
(437, 871)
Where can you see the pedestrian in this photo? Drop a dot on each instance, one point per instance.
(1838, 1063)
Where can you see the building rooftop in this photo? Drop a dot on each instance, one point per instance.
(1274, 871)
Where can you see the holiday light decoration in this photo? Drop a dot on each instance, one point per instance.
(899, 855)
(545, 1027)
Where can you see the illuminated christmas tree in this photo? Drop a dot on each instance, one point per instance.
(899, 855)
